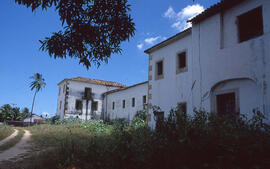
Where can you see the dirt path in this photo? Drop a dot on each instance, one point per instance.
(14, 134)
(19, 149)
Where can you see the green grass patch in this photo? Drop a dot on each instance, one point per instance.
(5, 131)
(13, 141)
(201, 141)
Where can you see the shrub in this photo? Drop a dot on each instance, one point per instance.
(201, 141)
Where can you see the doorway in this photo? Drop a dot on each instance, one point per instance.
(226, 104)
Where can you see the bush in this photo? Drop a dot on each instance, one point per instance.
(202, 141)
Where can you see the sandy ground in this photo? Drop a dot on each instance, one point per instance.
(14, 134)
(17, 151)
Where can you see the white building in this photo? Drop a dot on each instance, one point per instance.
(124, 103)
(34, 118)
(221, 64)
(87, 99)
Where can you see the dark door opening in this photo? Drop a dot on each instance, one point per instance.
(226, 104)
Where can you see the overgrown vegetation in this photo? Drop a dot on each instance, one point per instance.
(202, 141)
(5, 131)
(7, 112)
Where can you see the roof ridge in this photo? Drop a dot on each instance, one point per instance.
(95, 81)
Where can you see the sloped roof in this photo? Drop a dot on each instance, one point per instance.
(214, 9)
(169, 40)
(95, 81)
(117, 90)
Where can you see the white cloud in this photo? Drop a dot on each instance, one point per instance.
(190, 11)
(151, 40)
(180, 18)
(140, 46)
(45, 113)
(170, 13)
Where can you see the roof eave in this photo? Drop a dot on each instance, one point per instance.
(217, 8)
(121, 89)
(168, 41)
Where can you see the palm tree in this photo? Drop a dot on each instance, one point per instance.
(37, 84)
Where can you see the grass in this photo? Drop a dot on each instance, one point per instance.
(199, 142)
(13, 141)
(5, 131)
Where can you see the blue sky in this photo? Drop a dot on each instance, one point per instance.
(20, 30)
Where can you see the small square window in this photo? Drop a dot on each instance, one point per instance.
(250, 24)
(181, 62)
(78, 105)
(87, 93)
(133, 102)
(94, 106)
(159, 70)
(124, 104)
(144, 99)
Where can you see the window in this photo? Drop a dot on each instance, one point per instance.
(158, 116)
(64, 88)
(182, 107)
(250, 24)
(159, 70)
(226, 104)
(59, 91)
(181, 62)
(113, 105)
(133, 102)
(87, 93)
(144, 99)
(78, 105)
(94, 106)
(124, 104)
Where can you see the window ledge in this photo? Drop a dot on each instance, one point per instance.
(185, 69)
(158, 77)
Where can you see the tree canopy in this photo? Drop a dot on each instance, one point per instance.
(7, 112)
(92, 29)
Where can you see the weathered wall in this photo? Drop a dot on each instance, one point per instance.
(76, 91)
(174, 87)
(128, 112)
(215, 59)
(214, 62)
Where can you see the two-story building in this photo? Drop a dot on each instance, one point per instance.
(124, 103)
(220, 65)
(87, 99)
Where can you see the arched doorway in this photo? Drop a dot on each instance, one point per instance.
(234, 96)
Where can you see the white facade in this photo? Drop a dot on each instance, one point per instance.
(103, 94)
(33, 118)
(217, 64)
(134, 98)
(71, 91)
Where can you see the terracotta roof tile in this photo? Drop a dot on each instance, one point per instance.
(95, 81)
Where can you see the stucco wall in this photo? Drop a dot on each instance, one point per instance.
(76, 91)
(213, 63)
(128, 112)
(174, 87)
(61, 100)
(215, 56)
